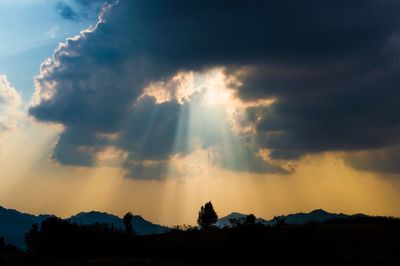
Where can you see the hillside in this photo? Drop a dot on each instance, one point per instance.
(14, 224)
(301, 218)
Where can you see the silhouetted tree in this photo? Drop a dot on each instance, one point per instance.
(279, 220)
(128, 223)
(207, 216)
(250, 220)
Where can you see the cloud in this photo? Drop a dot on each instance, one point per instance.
(66, 11)
(76, 10)
(10, 105)
(385, 160)
(152, 170)
(330, 68)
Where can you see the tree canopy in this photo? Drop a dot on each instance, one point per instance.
(128, 223)
(207, 216)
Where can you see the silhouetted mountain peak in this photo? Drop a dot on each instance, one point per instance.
(93, 217)
(319, 211)
(234, 215)
(141, 225)
(318, 215)
(89, 213)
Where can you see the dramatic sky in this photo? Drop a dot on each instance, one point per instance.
(156, 107)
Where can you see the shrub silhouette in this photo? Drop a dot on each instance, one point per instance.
(207, 216)
(250, 220)
(56, 236)
(7, 251)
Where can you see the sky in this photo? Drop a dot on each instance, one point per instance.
(156, 107)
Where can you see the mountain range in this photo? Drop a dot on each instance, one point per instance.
(295, 219)
(14, 224)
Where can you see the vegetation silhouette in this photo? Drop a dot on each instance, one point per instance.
(127, 220)
(58, 237)
(248, 221)
(279, 221)
(356, 240)
(9, 254)
(207, 216)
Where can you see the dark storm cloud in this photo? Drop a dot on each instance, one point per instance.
(386, 161)
(332, 66)
(66, 11)
(78, 147)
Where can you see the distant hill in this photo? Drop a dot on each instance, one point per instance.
(141, 226)
(295, 219)
(314, 216)
(97, 217)
(14, 224)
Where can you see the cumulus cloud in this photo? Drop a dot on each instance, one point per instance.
(329, 67)
(96, 87)
(10, 104)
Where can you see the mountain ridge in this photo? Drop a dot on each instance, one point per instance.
(14, 224)
(317, 215)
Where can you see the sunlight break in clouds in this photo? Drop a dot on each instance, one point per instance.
(317, 96)
(215, 125)
(187, 112)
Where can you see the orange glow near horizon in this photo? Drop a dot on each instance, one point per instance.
(320, 181)
(31, 182)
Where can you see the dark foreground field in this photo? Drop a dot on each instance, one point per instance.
(354, 241)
